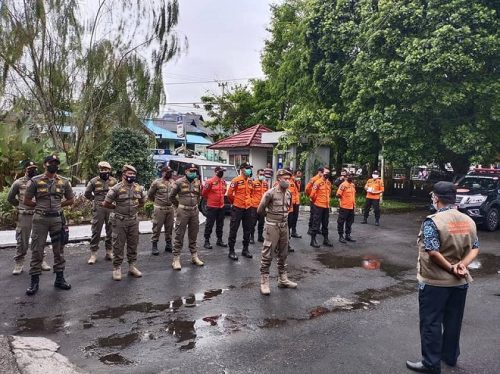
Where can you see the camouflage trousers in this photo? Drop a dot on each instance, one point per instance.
(43, 226)
(275, 245)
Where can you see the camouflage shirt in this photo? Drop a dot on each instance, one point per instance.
(127, 197)
(97, 188)
(160, 191)
(48, 193)
(186, 193)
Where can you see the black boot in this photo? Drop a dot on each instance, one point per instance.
(168, 246)
(341, 238)
(33, 289)
(221, 243)
(154, 249)
(260, 238)
(349, 239)
(232, 255)
(326, 242)
(314, 243)
(252, 241)
(61, 282)
(246, 253)
(295, 234)
(290, 249)
(207, 244)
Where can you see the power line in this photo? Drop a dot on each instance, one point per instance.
(212, 81)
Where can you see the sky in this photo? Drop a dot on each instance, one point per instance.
(226, 38)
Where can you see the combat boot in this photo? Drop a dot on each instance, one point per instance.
(221, 243)
(33, 289)
(252, 240)
(109, 255)
(60, 282)
(92, 259)
(176, 263)
(284, 282)
(341, 238)
(232, 255)
(246, 253)
(45, 266)
(168, 246)
(117, 274)
(18, 267)
(349, 239)
(196, 260)
(295, 234)
(314, 243)
(154, 249)
(326, 242)
(133, 271)
(264, 284)
(207, 244)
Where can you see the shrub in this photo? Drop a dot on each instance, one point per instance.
(7, 212)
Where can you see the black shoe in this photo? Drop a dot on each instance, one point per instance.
(341, 239)
(327, 243)
(33, 289)
(421, 368)
(252, 240)
(314, 243)
(207, 244)
(377, 223)
(220, 243)
(232, 256)
(168, 247)
(61, 282)
(349, 239)
(364, 222)
(246, 253)
(261, 239)
(295, 235)
(290, 249)
(154, 250)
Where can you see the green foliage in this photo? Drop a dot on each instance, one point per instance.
(148, 209)
(79, 212)
(131, 147)
(7, 219)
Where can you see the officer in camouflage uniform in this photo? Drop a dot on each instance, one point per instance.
(275, 205)
(96, 191)
(24, 217)
(127, 196)
(164, 212)
(186, 196)
(48, 189)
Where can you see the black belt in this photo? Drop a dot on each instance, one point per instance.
(48, 214)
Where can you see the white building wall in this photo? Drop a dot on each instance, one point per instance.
(258, 158)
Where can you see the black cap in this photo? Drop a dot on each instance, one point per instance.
(166, 168)
(191, 166)
(246, 165)
(51, 158)
(219, 168)
(29, 164)
(446, 191)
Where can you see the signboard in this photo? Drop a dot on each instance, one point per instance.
(180, 127)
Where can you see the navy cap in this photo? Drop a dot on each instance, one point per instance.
(51, 158)
(28, 164)
(445, 190)
(246, 165)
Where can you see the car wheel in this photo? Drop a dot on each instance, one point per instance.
(491, 220)
(203, 207)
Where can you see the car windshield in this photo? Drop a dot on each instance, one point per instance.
(478, 183)
(209, 172)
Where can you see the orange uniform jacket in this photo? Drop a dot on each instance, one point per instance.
(321, 192)
(310, 184)
(259, 188)
(240, 192)
(347, 195)
(377, 185)
(213, 192)
(295, 190)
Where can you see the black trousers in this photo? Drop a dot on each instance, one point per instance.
(441, 310)
(320, 219)
(257, 218)
(376, 208)
(214, 215)
(293, 217)
(346, 218)
(245, 217)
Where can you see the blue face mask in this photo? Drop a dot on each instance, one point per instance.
(248, 172)
(191, 176)
(262, 177)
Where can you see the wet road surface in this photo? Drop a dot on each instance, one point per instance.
(355, 310)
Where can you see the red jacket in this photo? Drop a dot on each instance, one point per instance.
(213, 192)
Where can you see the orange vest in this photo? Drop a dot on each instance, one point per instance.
(377, 185)
(310, 184)
(239, 192)
(295, 190)
(259, 188)
(347, 195)
(321, 191)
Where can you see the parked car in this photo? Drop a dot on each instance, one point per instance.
(478, 196)
(206, 170)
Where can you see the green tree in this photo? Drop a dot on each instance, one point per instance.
(131, 147)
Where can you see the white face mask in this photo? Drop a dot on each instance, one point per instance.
(375, 176)
(435, 202)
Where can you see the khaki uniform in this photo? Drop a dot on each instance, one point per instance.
(275, 204)
(24, 217)
(124, 220)
(164, 212)
(47, 218)
(96, 191)
(187, 196)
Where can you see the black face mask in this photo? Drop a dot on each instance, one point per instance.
(104, 176)
(220, 174)
(349, 179)
(168, 175)
(130, 179)
(53, 169)
(31, 173)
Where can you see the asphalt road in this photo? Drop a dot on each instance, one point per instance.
(355, 310)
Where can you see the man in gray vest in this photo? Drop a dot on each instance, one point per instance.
(447, 244)
(24, 217)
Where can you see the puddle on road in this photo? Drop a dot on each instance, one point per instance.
(115, 359)
(485, 264)
(366, 262)
(117, 340)
(40, 325)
